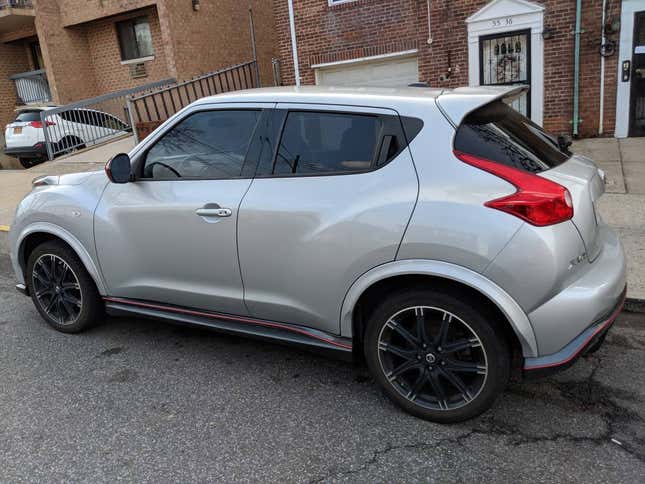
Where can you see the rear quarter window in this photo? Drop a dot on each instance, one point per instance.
(499, 133)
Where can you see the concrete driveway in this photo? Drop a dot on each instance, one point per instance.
(142, 401)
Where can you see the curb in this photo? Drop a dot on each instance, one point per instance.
(4, 239)
(632, 305)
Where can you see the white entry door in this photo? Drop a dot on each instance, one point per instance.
(376, 73)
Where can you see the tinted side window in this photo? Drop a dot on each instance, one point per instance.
(499, 133)
(319, 142)
(209, 144)
(75, 116)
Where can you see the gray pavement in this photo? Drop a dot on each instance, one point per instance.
(138, 400)
(623, 206)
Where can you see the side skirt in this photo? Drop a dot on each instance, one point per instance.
(291, 334)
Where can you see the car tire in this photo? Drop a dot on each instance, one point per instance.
(61, 288)
(463, 367)
(69, 144)
(28, 162)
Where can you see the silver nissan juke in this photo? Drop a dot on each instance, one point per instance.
(438, 235)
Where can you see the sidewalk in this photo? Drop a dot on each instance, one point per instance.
(622, 207)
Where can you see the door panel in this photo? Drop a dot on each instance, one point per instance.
(169, 238)
(303, 240)
(153, 245)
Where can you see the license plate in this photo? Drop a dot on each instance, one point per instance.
(17, 130)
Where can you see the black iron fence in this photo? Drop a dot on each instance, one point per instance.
(149, 110)
(91, 121)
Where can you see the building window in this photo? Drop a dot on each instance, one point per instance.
(338, 2)
(135, 39)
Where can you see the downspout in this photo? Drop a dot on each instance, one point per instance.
(294, 45)
(254, 48)
(429, 23)
(576, 71)
(601, 120)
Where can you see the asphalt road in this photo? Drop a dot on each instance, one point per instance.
(138, 400)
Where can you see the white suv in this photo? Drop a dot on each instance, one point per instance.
(73, 129)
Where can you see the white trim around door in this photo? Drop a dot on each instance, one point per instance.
(623, 89)
(502, 16)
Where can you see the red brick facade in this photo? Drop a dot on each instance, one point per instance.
(13, 58)
(329, 33)
(81, 53)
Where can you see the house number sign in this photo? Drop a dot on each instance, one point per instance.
(502, 22)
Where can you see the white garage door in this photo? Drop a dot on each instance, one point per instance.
(383, 73)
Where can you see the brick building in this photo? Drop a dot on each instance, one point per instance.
(449, 43)
(67, 50)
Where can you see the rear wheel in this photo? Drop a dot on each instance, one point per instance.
(28, 162)
(62, 290)
(69, 144)
(435, 356)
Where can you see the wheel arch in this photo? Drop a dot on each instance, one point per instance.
(411, 272)
(37, 233)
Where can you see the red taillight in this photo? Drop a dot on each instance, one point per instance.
(537, 200)
(38, 124)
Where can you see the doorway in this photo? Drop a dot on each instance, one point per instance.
(505, 60)
(637, 88)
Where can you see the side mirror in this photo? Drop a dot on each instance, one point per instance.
(119, 169)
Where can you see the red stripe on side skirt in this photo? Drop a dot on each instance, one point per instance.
(239, 319)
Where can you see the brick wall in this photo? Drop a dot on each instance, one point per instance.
(103, 45)
(13, 60)
(218, 35)
(65, 53)
(369, 27)
(350, 30)
(74, 12)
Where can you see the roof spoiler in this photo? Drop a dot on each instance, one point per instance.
(456, 104)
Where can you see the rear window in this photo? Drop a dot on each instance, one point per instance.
(26, 116)
(315, 142)
(499, 133)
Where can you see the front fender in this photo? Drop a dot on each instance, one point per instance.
(17, 244)
(513, 312)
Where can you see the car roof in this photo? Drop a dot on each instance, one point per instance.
(21, 109)
(455, 102)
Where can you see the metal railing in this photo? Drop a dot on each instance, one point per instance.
(32, 87)
(16, 4)
(149, 110)
(91, 121)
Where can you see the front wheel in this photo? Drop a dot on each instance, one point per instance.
(61, 288)
(435, 356)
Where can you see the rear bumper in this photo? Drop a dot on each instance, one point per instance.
(36, 151)
(567, 324)
(577, 347)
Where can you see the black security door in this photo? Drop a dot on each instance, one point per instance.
(505, 60)
(637, 104)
